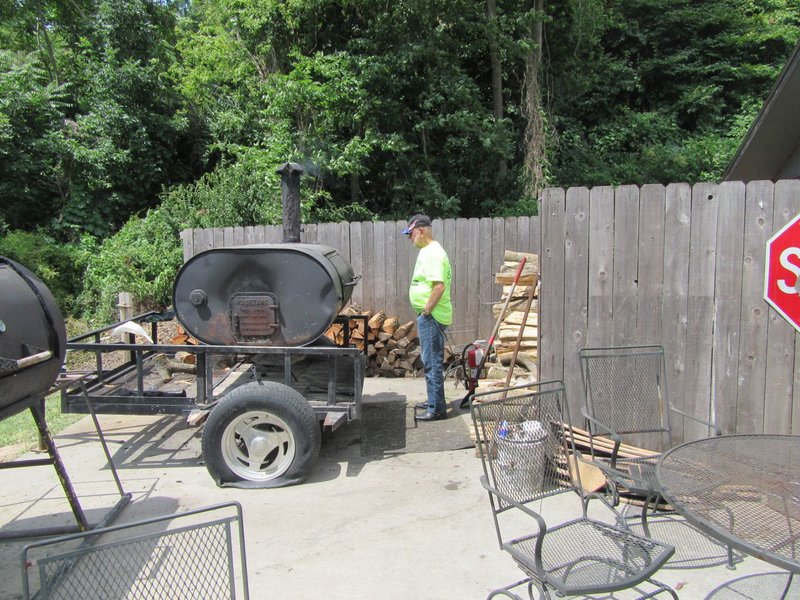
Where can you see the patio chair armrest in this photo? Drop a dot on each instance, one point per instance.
(608, 431)
(508, 500)
(620, 520)
(594, 493)
(537, 551)
(616, 475)
(712, 426)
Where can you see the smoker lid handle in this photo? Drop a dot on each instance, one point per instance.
(353, 281)
(9, 364)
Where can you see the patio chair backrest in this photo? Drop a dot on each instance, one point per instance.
(184, 556)
(626, 389)
(520, 435)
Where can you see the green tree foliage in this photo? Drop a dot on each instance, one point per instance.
(59, 266)
(178, 113)
(656, 91)
(142, 258)
(96, 129)
(386, 103)
(31, 146)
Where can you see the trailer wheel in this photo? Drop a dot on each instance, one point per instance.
(263, 433)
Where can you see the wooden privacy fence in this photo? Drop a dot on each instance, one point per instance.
(385, 259)
(677, 265)
(681, 266)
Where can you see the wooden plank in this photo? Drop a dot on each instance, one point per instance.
(218, 237)
(227, 236)
(486, 278)
(700, 324)
(727, 304)
(536, 234)
(626, 259)
(651, 264)
(187, 241)
(325, 234)
(601, 266)
(780, 333)
(524, 234)
(576, 292)
(451, 248)
(357, 262)
(238, 236)
(754, 320)
(510, 233)
(343, 239)
(259, 234)
(498, 250)
(392, 302)
(205, 241)
(249, 235)
(379, 266)
(311, 233)
(463, 329)
(368, 279)
(472, 318)
(406, 255)
(551, 306)
(677, 226)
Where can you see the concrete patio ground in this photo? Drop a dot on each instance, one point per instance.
(393, 513)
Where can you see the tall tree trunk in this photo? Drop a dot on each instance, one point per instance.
(42, 26)
(533, 111)
(497, 73)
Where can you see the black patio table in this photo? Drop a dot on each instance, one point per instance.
(741, 489)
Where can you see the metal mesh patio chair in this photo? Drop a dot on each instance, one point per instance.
(187, 556)
(626, 395)
(526, 458)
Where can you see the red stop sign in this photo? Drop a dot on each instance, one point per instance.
(782, 276)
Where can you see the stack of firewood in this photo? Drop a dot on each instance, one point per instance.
(392, 347)
(359, 334)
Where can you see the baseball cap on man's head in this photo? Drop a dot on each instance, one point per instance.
(416, 221)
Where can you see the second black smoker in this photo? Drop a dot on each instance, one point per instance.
(266, 294)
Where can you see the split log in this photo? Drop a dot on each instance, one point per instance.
(403, 331)
(376, 321)
(390, 325)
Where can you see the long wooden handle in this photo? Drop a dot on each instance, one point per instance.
(518, 343)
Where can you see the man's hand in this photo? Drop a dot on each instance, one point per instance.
(436, 295)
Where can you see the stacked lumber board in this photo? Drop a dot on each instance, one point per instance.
(516, 325)
(604, 446)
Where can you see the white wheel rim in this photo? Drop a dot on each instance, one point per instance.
(258, 446)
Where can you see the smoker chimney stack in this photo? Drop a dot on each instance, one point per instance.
(290, 199)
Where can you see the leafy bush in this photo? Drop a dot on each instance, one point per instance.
(59, 266)
(145, 255)
(142, 258)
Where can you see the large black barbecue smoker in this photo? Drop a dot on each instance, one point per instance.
(269, 377)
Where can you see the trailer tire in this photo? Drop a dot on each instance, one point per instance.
(261, 435)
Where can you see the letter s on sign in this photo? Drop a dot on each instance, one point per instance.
(789, 266)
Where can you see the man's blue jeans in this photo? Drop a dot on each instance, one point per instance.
(431, 340)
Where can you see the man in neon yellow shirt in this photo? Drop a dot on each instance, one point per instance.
(429, 294)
